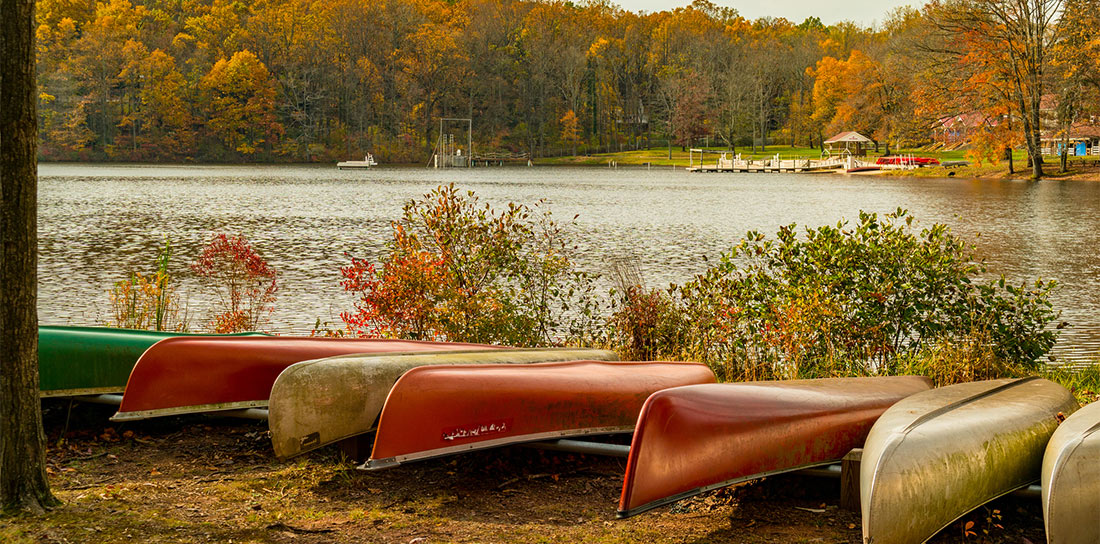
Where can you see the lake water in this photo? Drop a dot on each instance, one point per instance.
(99, 221)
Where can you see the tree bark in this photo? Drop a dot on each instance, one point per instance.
(23, 483)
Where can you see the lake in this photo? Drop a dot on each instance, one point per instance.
(97, 222)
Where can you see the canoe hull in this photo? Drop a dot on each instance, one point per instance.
(207, 374)
(1071, 479)
(76, 361)
(437, 411)
(692, 439)
(314, 403)
(937, 455)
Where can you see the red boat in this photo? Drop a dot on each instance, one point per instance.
(908, 161)
(693, 439)
(444, 410)
(208, 374)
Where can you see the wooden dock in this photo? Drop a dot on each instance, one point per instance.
(772, 165)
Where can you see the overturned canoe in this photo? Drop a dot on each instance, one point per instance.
(314, 403)
(76, 361)
(696, 438)
(937, 455)
(436, 411)
(208, 374)
(1071, 479)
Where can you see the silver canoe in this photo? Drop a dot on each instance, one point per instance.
(1071, 479)
(314, 403)
(937, 455)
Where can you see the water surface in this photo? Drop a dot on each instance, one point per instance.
(99, 221)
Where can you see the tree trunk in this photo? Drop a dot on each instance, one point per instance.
(1008, 156)
(23, 483)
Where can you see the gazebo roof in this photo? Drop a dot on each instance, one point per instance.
(849, 137)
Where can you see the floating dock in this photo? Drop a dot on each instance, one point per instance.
(771, 166)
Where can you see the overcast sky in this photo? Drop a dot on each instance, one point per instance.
(829, 11)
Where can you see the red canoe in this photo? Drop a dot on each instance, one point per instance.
(443, 410)
(693, 439)
(208, 374)
(908, 161)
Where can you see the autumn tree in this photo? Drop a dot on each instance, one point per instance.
(1005, 44)
(23, 483)
(570, 130)
(242, 103)
(1076, 67)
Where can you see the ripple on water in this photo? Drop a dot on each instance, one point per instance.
(99, 221)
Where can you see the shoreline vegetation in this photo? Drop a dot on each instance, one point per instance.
(1078, 168)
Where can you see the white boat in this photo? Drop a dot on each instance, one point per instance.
(367, 162)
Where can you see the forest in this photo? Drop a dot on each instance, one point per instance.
(310, 80)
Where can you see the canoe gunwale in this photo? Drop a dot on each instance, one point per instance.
(211, 409)
(56, 393)
(388, 462)
(621, 514)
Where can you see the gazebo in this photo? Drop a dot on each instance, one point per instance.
(852, 142)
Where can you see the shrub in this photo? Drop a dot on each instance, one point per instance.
(856, 300)
(149, 302)
(245, 282)
(461, 271)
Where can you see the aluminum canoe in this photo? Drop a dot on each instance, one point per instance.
(696, 438)
(315, 403)
(207, 374)
(937, 455)
(437, 411)
(74, 361)
(1071, 479)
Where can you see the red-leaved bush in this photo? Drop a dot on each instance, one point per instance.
(246, 283)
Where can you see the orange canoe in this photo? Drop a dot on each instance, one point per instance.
(436, 411)
(693, 439)
(208, 374)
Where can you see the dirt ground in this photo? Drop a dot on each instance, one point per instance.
(197, 479)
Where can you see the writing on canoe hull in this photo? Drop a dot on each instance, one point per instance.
(477, 430)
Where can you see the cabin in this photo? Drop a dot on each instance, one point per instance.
(849, 143)
(1084, 139)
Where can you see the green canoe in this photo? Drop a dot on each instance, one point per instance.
(91, 360)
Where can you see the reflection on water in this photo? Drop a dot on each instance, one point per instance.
(99, 221)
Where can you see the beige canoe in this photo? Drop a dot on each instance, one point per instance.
(314, 403)
(1071, 479)
(937, 455)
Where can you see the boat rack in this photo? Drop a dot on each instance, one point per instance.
(847, 471)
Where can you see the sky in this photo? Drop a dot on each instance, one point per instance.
(863, 12)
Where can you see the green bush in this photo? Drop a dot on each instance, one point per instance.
(845, 300)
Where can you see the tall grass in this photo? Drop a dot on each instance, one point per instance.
(149, 302)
